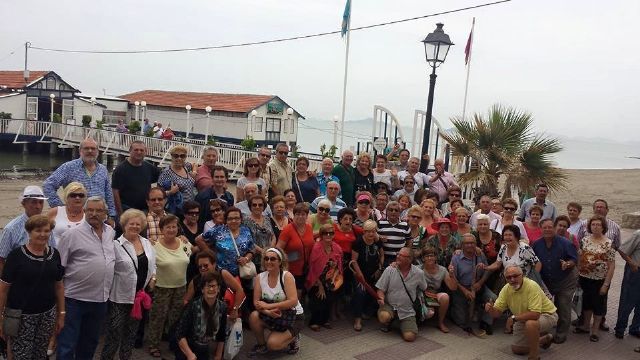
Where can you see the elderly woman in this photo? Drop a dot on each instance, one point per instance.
(134, 269)
(513, 252)
(321, 218)
(260, 226)
(596, 267)
(408, 188)
(201, 331)
(296, 240)
(509, 207)
(32, 282)
(277, 307)
(325, 268)
(363, 179)
(367, 258)
(428, 216)
(305, 187)
(217, 208)
(252, 175)
(436, 275)
(71, 214)
(462, 219)
(417, 232)
(443, 241)
(289, 201)
(562, 224)
(345, 235)
(189, 226)
(453, 206)
(279, 217)
(364, 209)
(384, 175)
(178, 178)
(204, 178)
(532, 226)
(486, 239)
(172, 259)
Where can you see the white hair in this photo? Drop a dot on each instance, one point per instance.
(325, 203)
(483, 217)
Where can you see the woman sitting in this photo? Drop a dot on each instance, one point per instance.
(436, 275)
(367, 258)
(202, 327)
(277, 306)
(443, 241)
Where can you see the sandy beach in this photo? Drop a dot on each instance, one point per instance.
(619, 187)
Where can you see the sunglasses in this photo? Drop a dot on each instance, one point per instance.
(323, 209)
(364, 202)
(257, 205)
(215, 210)
(283, 152)
(327, 233)
(193, 213)
(77, 195)
(253, 165)
(179, 156)
(509, 209)
(270, 258)
(203, 266)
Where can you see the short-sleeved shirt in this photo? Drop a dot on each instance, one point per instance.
(344, 239)
(133, 183)
(631, 247)
(368, 257)
(260, 183)
(560, 249)
(171, 265)
(384, 177)
(297, 247)
(473, 220)
(524, 257)
(421, 179)
(397, 236)
(444, 253)
(395, 294)
(335, 206)
(186, 185)
(529, 297)
(594, 258)
(324, 180)
(548, 210)
(32, 281)
(363, 182)
(464, 268)
(613, 232)
(220, 240)
(434, 281)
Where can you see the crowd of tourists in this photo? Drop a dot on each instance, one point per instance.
(150, 255)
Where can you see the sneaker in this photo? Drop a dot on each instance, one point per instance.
(294, 345)
(258, 350)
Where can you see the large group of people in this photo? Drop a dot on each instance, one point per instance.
(172, 254)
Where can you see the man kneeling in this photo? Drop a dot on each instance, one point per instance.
(533, 313)
(397, 289)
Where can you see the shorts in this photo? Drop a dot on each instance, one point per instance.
(408, 324)
(547, 323)
(591, 298)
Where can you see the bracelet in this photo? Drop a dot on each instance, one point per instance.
(62, 312)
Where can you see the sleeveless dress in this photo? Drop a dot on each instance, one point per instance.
(62, 223)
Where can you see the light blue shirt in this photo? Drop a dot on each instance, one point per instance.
(548, 210)
(335, 206)
(15, 235)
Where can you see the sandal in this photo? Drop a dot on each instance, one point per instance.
(314, 327)
(547, 343)
(594, 338)
(357, 327)
(579, 330)
(294, 345)
(155, 352)
(443, 328)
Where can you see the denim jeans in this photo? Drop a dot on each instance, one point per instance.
(79, 337)
(629, 301)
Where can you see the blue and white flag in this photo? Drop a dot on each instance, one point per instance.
(346, 18)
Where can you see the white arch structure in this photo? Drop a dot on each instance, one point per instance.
(392, 132)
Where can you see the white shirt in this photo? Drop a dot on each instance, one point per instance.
(473, 221)
(125, 279)
(498, 226)
(422, 179)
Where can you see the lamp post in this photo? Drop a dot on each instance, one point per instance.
(206, 134)
(52, 97)
(289, 120)
(137, 104)
(254, 113)
(143, 110)
(436, 47)
(93, 103)
(188, 107)
(335, 131)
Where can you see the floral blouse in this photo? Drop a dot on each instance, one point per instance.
(594, 258)
(220, 240)
(444, 253)
(524, 257)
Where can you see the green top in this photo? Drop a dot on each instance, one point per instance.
(347, 177)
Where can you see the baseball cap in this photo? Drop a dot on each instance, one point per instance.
(33, 192)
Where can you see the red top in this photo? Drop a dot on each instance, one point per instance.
(346, 239)
(297, 248)
(533, 234)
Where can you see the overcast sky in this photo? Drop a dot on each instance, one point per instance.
(574, 64)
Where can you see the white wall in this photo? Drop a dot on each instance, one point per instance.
(15, 104)
(81, 108)
(289, 136)
(219, 126)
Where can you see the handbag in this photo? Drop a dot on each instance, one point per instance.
(285, 321)
(248, 270)
(234, 340)
(13, 317)
(418, 303)
(333, 279)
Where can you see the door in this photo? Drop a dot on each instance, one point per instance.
(67, 111)
(32, 108)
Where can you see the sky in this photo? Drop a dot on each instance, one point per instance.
(572, 64)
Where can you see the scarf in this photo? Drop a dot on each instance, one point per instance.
(206, 318)
(319, 259)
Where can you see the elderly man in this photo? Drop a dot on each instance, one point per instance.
(132, 179)
(88, 255)
(630, 291)
(264, 155)
(468, 272)
(382, 199)
(250, 190)
(218, 190)
(280, 172)
(397, 288)
(533, 314)
(403, 158)
(394, 233)
(548, 208)
(203, 174)
(413, 167)
(347, 177)
(601, 207)
(156, 200)
(558, 257)
(485, 208)
(87, 171)
(441, 180)
(14, 234)
(333, 189)
(325, 175)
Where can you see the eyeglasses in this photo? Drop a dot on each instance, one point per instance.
(509, 277)
(77, 195)
(156, 199)
(203, 266)
(327, 233)
(215, 210)
(257, 205)
(283, 152)
(270, 258)
(323, 209)
(454, 195)
(193, 213)
(179, 156)
(253, 165)
(509, 209)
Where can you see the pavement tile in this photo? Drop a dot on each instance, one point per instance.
(402, 350)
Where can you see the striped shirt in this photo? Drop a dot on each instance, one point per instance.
(97, 183)
(396, 236)
(613, 232)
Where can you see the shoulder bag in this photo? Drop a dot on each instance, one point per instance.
(248, 270)
(418, 305)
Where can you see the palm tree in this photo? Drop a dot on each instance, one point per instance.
(503, 147)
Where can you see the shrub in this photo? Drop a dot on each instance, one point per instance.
(249, 143)
(134, 128)
(86, 120)
(57, 118)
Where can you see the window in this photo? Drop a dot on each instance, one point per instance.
(293, 126)
(273, 125)
(257, 124)
(51, 83)
(285, 122)
(61, 87)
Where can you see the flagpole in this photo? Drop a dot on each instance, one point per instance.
(344, 86)
(466, 86)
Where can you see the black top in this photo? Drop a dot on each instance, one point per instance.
(133, 183)
(30, 290)
(186, 327)
(184, 230)
(143, 268)
(368, 258)
(363, 183)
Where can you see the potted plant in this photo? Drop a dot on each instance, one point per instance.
(134, 128)
(86, 120)
(57, 118)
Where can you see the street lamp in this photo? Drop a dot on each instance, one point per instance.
(143, 110)
(335, 131)
(254, 113)
(93, 102)
(289, 121)
(137, 103)
(206, 134)
(188, 107)
(52, 96)
(436, 47)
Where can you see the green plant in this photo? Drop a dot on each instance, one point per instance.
(211, 141)
(4, 115)
(330, 153)
(99, 124)
(294, 150)
(134, 128)
(149, 133)
(57, 118)
(248, 143)
(504, 150)
(86, 120)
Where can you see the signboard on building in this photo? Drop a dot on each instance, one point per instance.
(275, 108)
(379, 143)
